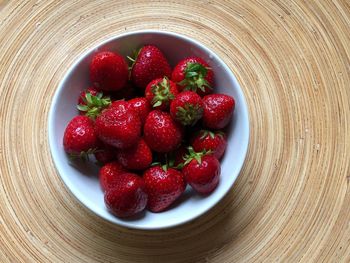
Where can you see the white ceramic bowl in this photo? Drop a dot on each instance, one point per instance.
(83, 182)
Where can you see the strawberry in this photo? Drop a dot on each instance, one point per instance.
(109, 175)
(142, 107)
(163, 186)
(105, 153)
(202, 171)
(82, 96)
(79, 137)
(119, 125)
(149, 64)
(161, 132)
(218, 110)
(160, 92)
(194, 74)
(91, 102)
(187, 108)
(207, 140)
(108, 71)
(138, 157)
(127, 197)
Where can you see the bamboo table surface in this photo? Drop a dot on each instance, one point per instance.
(291, 202)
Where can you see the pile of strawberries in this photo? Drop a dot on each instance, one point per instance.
(153, 129)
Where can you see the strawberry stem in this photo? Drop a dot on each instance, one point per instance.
(162, 93)
(93, 105)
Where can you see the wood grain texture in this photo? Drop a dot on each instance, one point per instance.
(291, 201)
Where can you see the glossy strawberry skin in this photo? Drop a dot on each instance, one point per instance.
(179, 74)
(79, 135)
(187, 108)
(203, 177)
(127, 197)
(150, 64)
(119, 125)
(218, 111)
(214, 141)
(142, 106)
(109, 175)
(161, 132)
(138, 157)
(108, 71)
(151, 93)
(163, 187)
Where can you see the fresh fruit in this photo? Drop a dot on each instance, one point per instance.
(218, 110)
(187, 108)
(163, 186)
(202, 171)
(108, 71)
(142, 106)
(79, 137)
(105, 153)
(82, 96)
(119, 125)
(208, 140)
(194, 74)
(161, 132)
(160, 92)
(91, 102)
(109, 175)
(138, 157)
(127, 197)
(149, 64)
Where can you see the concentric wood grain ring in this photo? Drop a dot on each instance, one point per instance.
(291, 201)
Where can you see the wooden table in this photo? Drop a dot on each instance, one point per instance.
(291, 202)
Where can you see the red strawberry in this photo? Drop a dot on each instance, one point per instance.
(105, 153)
(79, 137)
(161, 132)
(82, 99)
(194, 74)
(142, 107)
(160, 92)
(202, 171)
(91, 102)
(127, 197)
(218, 110)
(187, 108)
(108, 71)
(109, 175)
(119, 125)
(207, 140)
(138, 157)
(163, 186)
(149, 64)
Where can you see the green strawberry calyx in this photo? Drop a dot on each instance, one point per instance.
(133, 57)
(189, 114)
(162, 93)
(193, 155)
(211, 134)
(93, 105)
(83, 155)
(195, 74)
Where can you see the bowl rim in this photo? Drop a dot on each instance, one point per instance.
(59, 90)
